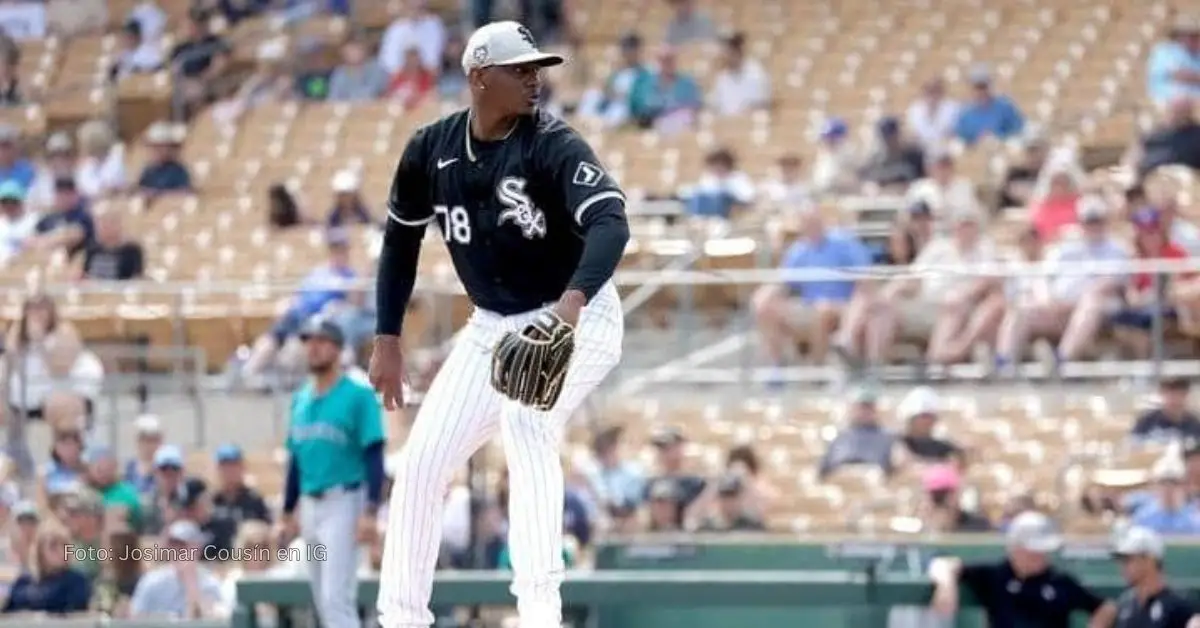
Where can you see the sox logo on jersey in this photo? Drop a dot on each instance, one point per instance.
(520, 208)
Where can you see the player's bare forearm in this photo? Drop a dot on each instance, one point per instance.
(569, 305)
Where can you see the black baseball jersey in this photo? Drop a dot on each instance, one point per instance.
(1046, 600)
(512, 212)
(1165, 609)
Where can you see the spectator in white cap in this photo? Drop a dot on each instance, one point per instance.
(28, 520)
(165, 501)
(60, 163)
(1148, 602)
(165, 173)
(987, 113)
(181, 589)
(919, 410)
(140, 470)
(1168, 511)
(1023, 588)
(348, 206)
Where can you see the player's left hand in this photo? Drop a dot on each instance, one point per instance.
(569, 306)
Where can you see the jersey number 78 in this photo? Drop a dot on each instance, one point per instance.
(456, 224)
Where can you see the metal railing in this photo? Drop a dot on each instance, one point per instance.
(105, 393)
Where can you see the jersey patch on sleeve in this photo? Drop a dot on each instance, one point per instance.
(587, 175)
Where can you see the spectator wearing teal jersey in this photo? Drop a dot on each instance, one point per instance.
(666, 99)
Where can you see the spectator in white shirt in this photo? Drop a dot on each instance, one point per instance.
(742, 85)
(931, 118)
(421, 29)
(60, 163)
(722, 188)
(835, 167)
(1077, 302)
(943, 189)
(17, 223)
(151, 18)
(100, 171)
(939, 305)
(1018, 288)
(137, 55)
(789, 191)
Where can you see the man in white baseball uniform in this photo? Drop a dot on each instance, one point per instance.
(535, 228)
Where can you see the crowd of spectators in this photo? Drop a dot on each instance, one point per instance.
(1047, 212)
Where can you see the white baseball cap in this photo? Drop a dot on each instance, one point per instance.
(1035, 532)
(504, 43)
(345, 181)
(1138, 541)
(148, 424)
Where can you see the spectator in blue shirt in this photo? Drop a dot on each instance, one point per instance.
(165, 173)
(809, 311)
(14, 167)
(722, 189)
(987, 113)
(1168, 512)
(1173, 68)
(140, 470)
(324, 291)
(66, 459)
(69, 224)
(616, 482)
(51, 585)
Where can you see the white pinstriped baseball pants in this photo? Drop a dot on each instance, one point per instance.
(461, 412)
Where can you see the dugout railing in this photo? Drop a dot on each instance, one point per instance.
(715, 582)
